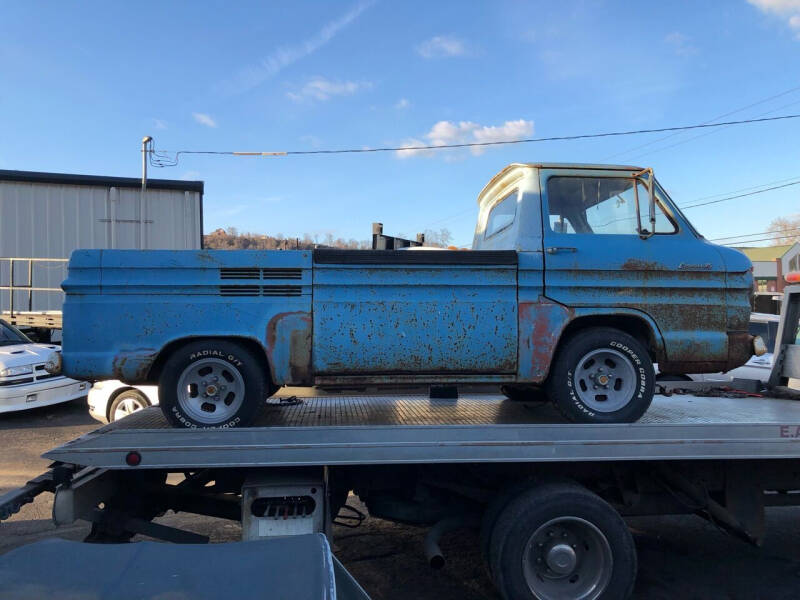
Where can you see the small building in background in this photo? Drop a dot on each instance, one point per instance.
(45, 216)
(770, 266)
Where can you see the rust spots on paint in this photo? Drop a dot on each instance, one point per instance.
(540, 326)
(636, 264)
(288, 347)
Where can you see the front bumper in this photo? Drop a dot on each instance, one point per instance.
(33, 395)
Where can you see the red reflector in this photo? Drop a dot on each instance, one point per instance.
(793, 277)
(133, 459)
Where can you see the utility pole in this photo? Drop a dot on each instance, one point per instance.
(142, 209)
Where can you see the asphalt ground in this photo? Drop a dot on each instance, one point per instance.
(679, 557)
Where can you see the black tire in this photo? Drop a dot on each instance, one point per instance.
(631, 358)
(135, 395)
(235, 361)
(494, 509)
(517, 393)
(512, 544)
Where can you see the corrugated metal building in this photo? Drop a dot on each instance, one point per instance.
(48, 215)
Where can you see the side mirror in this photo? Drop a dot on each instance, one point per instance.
(647, 178)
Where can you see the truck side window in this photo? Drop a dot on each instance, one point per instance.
(602, 205)
(502, 215)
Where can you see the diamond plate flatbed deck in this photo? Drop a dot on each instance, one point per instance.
(393, 429)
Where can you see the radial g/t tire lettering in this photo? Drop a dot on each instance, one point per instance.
(212, 384)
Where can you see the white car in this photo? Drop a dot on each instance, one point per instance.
(24, 381)
(757, 368)
(112, 400)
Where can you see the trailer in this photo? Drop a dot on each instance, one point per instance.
(548, 496)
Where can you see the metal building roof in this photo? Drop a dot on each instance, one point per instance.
(100, 180)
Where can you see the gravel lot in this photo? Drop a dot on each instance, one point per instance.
(679, 557)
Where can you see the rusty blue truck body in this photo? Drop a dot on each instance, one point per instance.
(558, 249)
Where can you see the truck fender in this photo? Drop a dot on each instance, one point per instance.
(544, 324)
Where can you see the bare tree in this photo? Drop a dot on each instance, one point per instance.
(787, 230)
(232, 239)
(441, 239)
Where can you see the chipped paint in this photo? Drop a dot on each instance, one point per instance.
(540, 326)
(288, 347)
(134, 366)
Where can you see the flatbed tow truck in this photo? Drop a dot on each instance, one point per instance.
(548, 496)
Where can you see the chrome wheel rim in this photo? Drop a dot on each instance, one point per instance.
(210, 391)
(605, 380)
(127, 406)
(567, 558)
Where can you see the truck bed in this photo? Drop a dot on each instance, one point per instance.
(394, 429)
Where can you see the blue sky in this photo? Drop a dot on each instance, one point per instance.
(81, 83)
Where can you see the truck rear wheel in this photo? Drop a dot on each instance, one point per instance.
(559, 540)
(212, 384)
(602, 375)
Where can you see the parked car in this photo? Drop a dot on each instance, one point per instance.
(24, 382)
(112, 400)
(757, 368)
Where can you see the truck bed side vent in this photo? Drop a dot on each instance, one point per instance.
(281, 290)
(240, 273)
(240, 290)
(258, 273)
(260, 290)
(282, 273)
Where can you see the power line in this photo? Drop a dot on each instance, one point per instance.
(707, 133)
(746, 189)
(767, 239)
(748, 235)
(722, 116)
(769, 189)
(164, 158)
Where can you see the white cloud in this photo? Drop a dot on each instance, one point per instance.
(784, 9)
(441, 46)
(159, 124)
(254, 75)
(204, 119)
(446, 133)
(321, 89)
(681, 43)
(402, 103)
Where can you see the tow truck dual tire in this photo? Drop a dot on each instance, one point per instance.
(559, 540)
(212, 384)
(602, 375)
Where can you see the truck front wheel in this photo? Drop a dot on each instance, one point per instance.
(602, 375)
(212, 384)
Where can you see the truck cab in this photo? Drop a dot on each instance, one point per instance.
(579, 278)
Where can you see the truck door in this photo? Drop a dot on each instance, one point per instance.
(595, 257)
(390, 314)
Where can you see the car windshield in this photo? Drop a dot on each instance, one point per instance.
(10, 335)
(768, 330)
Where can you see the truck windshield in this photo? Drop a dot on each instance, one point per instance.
(600, 205)
(11, 335)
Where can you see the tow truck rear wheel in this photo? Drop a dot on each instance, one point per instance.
(602, 375)
(559, 540)
(212, 384)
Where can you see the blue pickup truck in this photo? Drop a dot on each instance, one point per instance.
(580, 277)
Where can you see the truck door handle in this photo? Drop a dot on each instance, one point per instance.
(554, 249)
